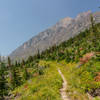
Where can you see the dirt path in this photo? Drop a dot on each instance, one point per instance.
(64, 87)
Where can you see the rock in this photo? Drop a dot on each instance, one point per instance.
(95, 92)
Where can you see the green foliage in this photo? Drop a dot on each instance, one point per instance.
(3, 82)
(42, 87)
(80, 80)
(15, 78)
(26, 74)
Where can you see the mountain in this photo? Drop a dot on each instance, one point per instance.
(61, 31)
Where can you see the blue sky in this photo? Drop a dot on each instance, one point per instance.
(22, 19)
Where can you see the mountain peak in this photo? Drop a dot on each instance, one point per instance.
(84, 14)
(66, 19)
(64, 22)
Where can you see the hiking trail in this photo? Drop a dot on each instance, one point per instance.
(64, 87)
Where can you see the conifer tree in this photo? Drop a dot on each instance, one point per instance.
(23, 63)
(30, 59)
(10, 71)
(9, 62)
(3, 82)
(16, 79)
(16, 63)
(92, 23)
(38, 55)
(94, 31)
(0, 58)
(26, 74)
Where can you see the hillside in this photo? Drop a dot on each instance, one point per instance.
(61, 31)
(38, 78)
(67, 70)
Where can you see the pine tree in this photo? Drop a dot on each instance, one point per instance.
(16, 79)
(10, 70)
(38, 55)
(30, 59)
(23, 63)
(26, 74)
(92, 23)
(93, 31)
(16, 63)
(0, 58)
(9, 62)
(3, 82)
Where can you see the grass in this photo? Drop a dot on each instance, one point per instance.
(80, 80)
(73, 90)
(46, 86)
(41, 87)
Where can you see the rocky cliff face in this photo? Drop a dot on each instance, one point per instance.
(61, 31)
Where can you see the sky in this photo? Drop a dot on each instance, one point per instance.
(20, 20)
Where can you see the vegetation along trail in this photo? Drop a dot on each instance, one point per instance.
(63, 89)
